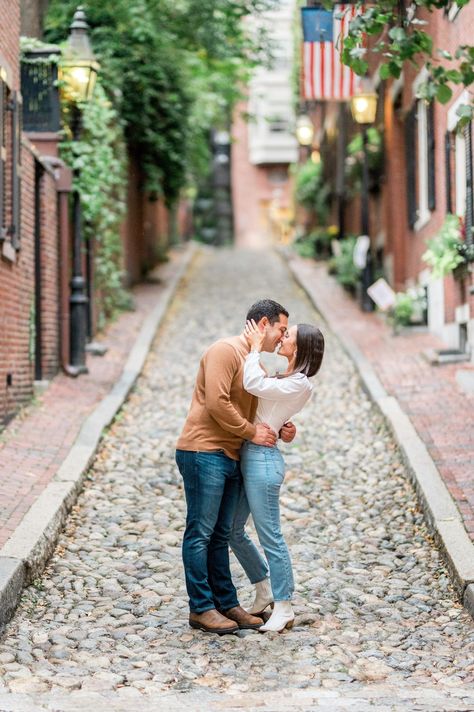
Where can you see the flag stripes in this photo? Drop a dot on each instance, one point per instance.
(324, 75)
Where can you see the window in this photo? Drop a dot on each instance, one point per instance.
(10, 166)
(3, 155)
(278, 124)
(459, 166)
(420, 168)
(451, 11)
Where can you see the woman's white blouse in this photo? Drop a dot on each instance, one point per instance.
(279, 399)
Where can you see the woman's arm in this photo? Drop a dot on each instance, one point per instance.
(258, 384)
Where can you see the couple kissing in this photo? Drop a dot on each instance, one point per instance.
(231, 467)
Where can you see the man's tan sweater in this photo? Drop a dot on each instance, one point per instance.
(221, 412)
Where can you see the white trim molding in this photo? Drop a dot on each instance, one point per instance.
(453, 118)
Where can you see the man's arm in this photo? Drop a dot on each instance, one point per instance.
(221, 363)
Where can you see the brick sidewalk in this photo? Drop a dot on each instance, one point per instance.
(441, 413)
(35, 443)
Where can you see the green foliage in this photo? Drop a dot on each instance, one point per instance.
(342, 264)
(397, 36)
(174, 68)
(355, 159)
(444, 249)
(409, 308)
(311, 191)
(317, 243)
(100, 156)
(402, 311)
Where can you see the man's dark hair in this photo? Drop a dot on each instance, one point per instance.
(268, 308)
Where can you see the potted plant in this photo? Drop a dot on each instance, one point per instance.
(409, 309)
(448, 251)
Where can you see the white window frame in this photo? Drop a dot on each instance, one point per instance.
(453, 12)
(459, 156)
(424, 213)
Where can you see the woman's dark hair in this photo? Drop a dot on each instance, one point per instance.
(268, 308)
(309, 349)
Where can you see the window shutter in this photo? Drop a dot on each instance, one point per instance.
(410, 159)
(449, 177)
(15, 230)
(431, 156)
(469, 219)
(3, 157)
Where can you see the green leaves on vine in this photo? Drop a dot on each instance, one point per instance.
(392, 30)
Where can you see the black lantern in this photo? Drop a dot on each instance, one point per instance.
(78, 67)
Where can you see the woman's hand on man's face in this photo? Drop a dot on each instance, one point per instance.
(255, 337)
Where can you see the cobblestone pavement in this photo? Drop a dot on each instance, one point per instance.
(378, 625)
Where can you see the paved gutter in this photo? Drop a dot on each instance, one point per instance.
(438, 506)
(25, 554)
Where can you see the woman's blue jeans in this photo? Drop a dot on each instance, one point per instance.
(212, 484)
(263, 471)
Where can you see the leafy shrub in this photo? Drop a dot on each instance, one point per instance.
(342, 265)
(310, 189)
(355, 160)
(409, 308)
(444, 251)
(317, 243)
(100, 155)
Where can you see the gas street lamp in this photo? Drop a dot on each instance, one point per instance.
(78, 71)
(304, 130)
(364, 107)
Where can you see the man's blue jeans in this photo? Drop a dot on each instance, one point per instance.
(212, 484)
(263, 472)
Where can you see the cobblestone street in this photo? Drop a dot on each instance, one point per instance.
(378, 623)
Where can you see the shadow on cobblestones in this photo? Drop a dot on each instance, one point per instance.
(378, 624)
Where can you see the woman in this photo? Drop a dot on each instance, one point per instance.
(263, 468)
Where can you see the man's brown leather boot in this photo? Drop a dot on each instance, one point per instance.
(243, 619)
(212, 622)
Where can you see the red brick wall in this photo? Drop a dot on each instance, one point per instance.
(10, 38)
(17, 270)
(50, 276)
(408, 246)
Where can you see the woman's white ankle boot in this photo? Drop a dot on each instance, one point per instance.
(281, 618)
(263, 596)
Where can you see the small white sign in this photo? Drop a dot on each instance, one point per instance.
(360, 251)
(382, 294)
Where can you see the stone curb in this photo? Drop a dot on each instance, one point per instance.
(439, 507)
(24, 556)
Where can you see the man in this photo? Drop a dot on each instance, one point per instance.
(219, 420)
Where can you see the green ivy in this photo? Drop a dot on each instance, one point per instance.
(397, 35)
(355, 159)
(311, 190)
(100, 156)
(175, 69)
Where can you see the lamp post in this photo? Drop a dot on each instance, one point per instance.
(77, 71)
(364, 107)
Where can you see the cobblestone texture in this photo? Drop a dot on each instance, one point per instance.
(378, 625)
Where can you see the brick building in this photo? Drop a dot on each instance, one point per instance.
(35, 228)
(265, 146)
(29, 247)
(427, 173)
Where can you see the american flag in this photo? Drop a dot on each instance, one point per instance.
(324, 75)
